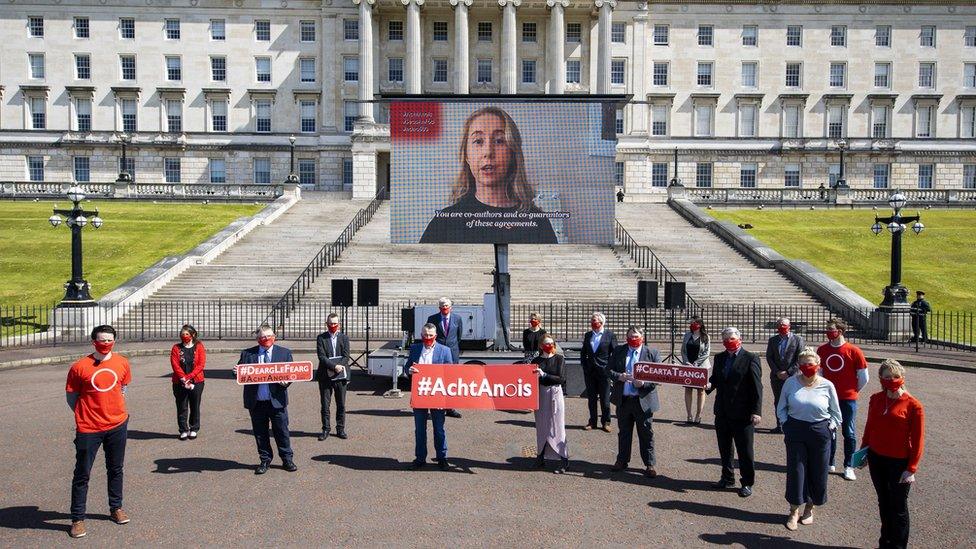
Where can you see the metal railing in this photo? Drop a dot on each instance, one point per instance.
(846, 197)
(646, 259)
(136, 191)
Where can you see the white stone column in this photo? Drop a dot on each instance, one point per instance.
(462, 59)
(556, 48)
(509, 72)
(414, 37)
(603, 45)
(365, 59)
(639, 114)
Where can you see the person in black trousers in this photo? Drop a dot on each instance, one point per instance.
(332, 348)
(737, 376)
(636, 402)
(598, 345)
(919, 311)
(188, 358)
(782, 353)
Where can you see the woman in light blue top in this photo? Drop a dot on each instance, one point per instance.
(810, 413)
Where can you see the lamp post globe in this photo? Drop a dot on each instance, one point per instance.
(876, 228)
(96, 222)
(55, 220)
(897, 201)
(918, 227)
(76, 194)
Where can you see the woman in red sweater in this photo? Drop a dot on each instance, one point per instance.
(188, 358)
(895, 437)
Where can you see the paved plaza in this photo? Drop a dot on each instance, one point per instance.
(357, 491)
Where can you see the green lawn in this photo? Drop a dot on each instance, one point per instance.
(35, 259)
(840, 243)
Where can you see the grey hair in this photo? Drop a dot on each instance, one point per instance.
(783, 320)
(429, 326)
(331, 316)
(730, 332)
(634, 330)
(599, 316)
(444, 301)
(264, 329)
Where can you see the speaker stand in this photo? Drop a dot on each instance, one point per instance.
(366, 352)
(672, 358)
(394, 391)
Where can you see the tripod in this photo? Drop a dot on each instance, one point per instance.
(672, 358)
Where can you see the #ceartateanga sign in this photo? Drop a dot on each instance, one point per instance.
(671, 374)
(491, 387)
(272, 372)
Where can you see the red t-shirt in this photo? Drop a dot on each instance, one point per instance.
(100, 406)
(840, 366)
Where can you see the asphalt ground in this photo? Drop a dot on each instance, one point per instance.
(358, 491)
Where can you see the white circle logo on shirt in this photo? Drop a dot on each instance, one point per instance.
(115, 380)
(830, 360)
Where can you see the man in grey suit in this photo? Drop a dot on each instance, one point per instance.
(449, 330)
(332, 348)
(782, 354)
(635, 400)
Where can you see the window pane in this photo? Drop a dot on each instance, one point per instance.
(219, 122)
(747, 121)
(218, 171)
(440, 70)
(704, 74)
(926, 174)
(660, 35)
(82, 169)
(749, 70)
(791, 175)
(705, 35)
(395, 69)
(747, 176)
(791, 121)
(882, 36)
(83, 110)
(394, 30)
(484, 31)
(35, 168)
(217, 29)
(660, 74)
(617, 71)
(81, 27)
(574, 32)
(659, 120)
(618, 32)
(307, 31)
(172, 29)
(306, 172)
(350, 29)
(529, 32)
(703, 120)
(838, 35)
(127, 28)
(969, 176)
(440, 31)
(703, 175)
(171, 170)
(573, 71)
(659, 174)
(218, 69)
(794, 35)
(307, 69)
(528, 71)
(262, 171)
(881, 176)
(750, 35)
(262, 31)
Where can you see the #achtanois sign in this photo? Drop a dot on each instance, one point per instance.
(491, 387)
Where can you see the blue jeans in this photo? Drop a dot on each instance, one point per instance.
(86, 448)
(420, 433)
(848, 412)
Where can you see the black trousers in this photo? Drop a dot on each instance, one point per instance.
(188, 406)
(807, 460)
(328, 389)
(86, 448)
(920, 326)
(737, 435)
(597, 389)
(629, 415)
(777, 385)
(892, 499)
(263, 413)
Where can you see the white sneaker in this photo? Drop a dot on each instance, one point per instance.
(849, 473)
(184, 435)
(833, 469)
(193, 435)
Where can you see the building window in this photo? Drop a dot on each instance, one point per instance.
(350, 69)
(882, 36)
(879, 122)
(350, 112)
(659, 174)
(83, 114)
(262, 67)
(484, 71)
(528, 71)
(82, 66)
(262, 171)
(394, 72)
(750, 35)
(705, 73)
(262, 31)
(127, 28)
(881, 176)
(129, 166)
(706, 35)
(38, 112)
(703, 174)
(747, 176)
(573, 71)
(618, 173)
(926, 175)
(174, 116)
(838, 35)
(969, 39)
(882, 75)
(218, 171)
(794, 75)
(660, 77)
(36, 61)
(791, 121)
(529, 32)
(306, 172)
(574, 33)
(350, 29)
(833, 175)
(307, 69)
(171, 169)
(967, 122)
(747, 120)
(927, 36)
(968, 176)
(440, 31)
(35, 25)
(307, 31)
(262, 109)
(82, 29)
(924, 121)
(82, 169)
(440, 71)
(35, 168)
(926, 75)
(749, 71)
(218, 121)
(794, 35)
(218, 29)
(218, 69)
(394, 31)
(618, 121)
(969, 75)
(659, 120)
(703, 120)
(308, 123)
(172, 29)
(130, 115)
(484, 31)
(835, 121)
(838, 74)
(346, 173)
(791, 175)
(174, 69)
(660, 35)
(127, 65)
(618, 32)
(617, 68)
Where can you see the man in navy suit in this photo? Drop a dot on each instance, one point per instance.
(449, 330)
(636, 401)
(428, 351)
(598, 346)
(268, 402)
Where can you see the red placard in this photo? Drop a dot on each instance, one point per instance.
(415, 121)
(271, 372)
(491, 387)
(671, 374)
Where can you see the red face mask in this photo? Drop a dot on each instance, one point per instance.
(103, 347)
(186, 338)
(445, 311)
(892, 384)
(429, 340)
(596, 326)
(732, 345)
(534, 323)
(333, 328)
(266, 341)
(635, 342)
(783, 330)
(809, 369)
(548, 347)
(694, 327)
(833, 334)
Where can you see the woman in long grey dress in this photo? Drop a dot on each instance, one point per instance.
(550, 418)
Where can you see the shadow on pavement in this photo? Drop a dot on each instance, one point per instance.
(32, 518)
(362, 463)
(760, 466)
(516, 422)
(197, 465)
(382, 413)
(707, 510)
(135, 434)
(753, 540)
(291, 433)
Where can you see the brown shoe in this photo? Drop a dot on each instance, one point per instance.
(78, 529)
(587, 427)
(119, 517)
(650, 472)
(606, 428)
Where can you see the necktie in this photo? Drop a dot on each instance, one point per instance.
(782, 347)
(447, 325)
(728, 365)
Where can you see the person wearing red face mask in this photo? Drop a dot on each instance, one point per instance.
(737, 375)
(895, 438)
(533, 335)
(598, 346)
(428, 351)
(188, 358)
(95, 391)
(449, 330)
(809, 412)
(845, 366)
(550, 418)
(636, 401)
(332, 348)
(695, 352)
(268, 402)
(782, 353)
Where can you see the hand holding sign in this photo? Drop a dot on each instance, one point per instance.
(672, 374)
(283, 373)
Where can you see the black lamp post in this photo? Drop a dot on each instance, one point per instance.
(675, 182)
(895, 294)
(76, 290)
(124, 175)
(841, 182)
(292, 178)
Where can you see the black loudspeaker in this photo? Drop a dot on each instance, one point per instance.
(342, 292)
(367, 292)
(647, 294)
(406, 320)
(674, 295)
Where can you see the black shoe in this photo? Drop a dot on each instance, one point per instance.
(618, 466)
(290, 466)
(723, 485)
(453, 413)
(540, 461)
(745, 491)
(324, 434)
(341, 433)
(561, 468)
(777, 430)
(443, 464)
(416, 465)
(262, 468)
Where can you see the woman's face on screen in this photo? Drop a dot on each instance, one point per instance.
(489, 153)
